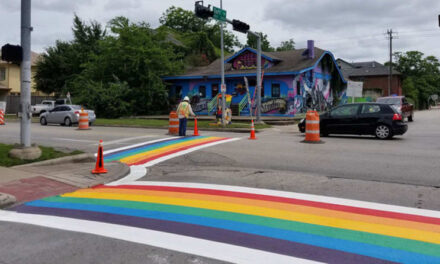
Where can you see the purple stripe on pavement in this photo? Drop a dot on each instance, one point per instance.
(214, 234)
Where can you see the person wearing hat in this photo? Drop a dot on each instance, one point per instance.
(184, 110)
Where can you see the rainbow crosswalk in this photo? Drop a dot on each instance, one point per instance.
(144, 153)
(299, 227)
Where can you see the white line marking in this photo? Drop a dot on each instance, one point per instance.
(190, 245)
(309, 197)
(180, 153)
(137, 145)
(75, 140)
(139, 171)
(136, 172)
(125, 140)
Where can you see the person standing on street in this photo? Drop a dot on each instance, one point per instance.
(184, 110)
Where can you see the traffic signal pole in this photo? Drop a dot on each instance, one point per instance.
(220, 14)
(223, 85)
(25, 90)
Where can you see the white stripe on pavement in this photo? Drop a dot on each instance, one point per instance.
(137, 145)
(125, 140)
(190, 245)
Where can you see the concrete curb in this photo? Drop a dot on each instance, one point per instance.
(6, 200)
(84, 157)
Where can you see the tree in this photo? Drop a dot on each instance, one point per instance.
(61, 63)
(182, 20)
(421, 76)
(117, 74)
(286, 45)
(265, 44)
(186, 24)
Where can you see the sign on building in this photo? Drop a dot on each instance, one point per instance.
(354, 89)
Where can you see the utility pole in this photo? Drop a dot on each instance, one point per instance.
(223, 85)
(25, 90)
(258, 88)
(390, 69)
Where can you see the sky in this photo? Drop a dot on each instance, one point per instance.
(354, 30)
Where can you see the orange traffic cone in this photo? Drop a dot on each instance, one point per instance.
(99, 168)
(196, 130)
(252, 131)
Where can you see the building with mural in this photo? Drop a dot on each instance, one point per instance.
(292, 82)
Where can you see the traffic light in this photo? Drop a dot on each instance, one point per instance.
(12, 53)
(239, 26)
(203, 11)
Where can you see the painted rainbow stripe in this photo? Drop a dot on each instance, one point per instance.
(147, 152)
(300, 228)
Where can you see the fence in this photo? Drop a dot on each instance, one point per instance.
(13, 102)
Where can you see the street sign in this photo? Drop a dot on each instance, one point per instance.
(223, 88)
(354, 89)
(219, 14)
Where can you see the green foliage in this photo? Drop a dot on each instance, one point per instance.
(421, 76)
(265, 44)
(286, 45)
(116, 74)
(47, 153)
(187, 26)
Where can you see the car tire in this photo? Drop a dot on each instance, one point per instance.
(67, 121)
(383, 131)
(43, 121)
(410, 118)
(90, 123)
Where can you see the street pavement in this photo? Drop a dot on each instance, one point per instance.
(170, 211)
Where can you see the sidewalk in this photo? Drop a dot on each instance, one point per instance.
(53, 177)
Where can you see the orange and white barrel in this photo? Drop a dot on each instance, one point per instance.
(83, 123)
(173, 128)
(2, 117)
(312, 127)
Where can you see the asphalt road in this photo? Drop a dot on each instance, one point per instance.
(409, 159)
(403, 171)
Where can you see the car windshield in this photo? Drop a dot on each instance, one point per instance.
(394, 101)
(47, 103)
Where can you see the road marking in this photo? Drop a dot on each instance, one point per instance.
(180, 243)
(276, 222)
(74, 140)
(117, 141)
(137, 145)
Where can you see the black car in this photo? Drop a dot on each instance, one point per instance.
(380, 120)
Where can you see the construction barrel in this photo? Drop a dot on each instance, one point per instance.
(173, 128)
(2, 117)
(83, 123)
(312, 127)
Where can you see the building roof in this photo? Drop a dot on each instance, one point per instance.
(288, 62)
(34, 58)
(366, 68)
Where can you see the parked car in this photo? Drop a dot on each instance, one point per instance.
(65, 115)
(401, 103)
(380, 120)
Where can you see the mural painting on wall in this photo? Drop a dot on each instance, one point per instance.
(274, 106)
(315, 93)
(248, 60)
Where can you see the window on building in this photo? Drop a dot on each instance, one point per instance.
(276, 90)
(177, 91)
(252, 82)
(298, 88)
(262, 91)
(214, 88)
(202, 91)
(2, 74)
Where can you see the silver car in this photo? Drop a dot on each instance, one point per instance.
(65, 115)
